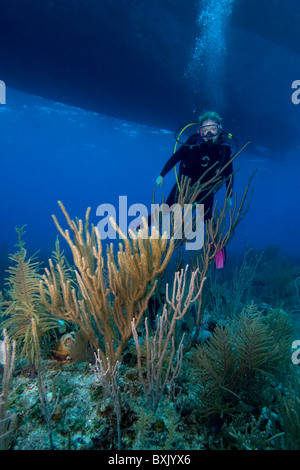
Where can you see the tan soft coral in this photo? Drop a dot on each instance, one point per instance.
(106, 296)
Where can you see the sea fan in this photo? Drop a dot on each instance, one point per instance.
(235, 368)
(60, 259)
(25, 304)
(255, 346)
(216, 360)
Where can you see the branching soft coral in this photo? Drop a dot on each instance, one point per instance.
(109, 294)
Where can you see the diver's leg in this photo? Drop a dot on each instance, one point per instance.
(171, 199)
(220, 256)
(208, 207)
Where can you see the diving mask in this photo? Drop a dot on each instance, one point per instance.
(209, 131)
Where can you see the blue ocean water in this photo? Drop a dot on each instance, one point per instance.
(95, 92)
(52, 151)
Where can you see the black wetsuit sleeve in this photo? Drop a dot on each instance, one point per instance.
(176, 157)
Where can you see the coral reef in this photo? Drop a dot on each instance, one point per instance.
(205, 365)
(105, 312)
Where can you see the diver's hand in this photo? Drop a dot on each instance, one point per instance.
(159, 181)
(229, 204)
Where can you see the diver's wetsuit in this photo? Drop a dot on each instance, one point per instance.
(195, 161)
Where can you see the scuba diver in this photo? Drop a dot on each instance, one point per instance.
(208, 148)
(202, 156)
(200, 152)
